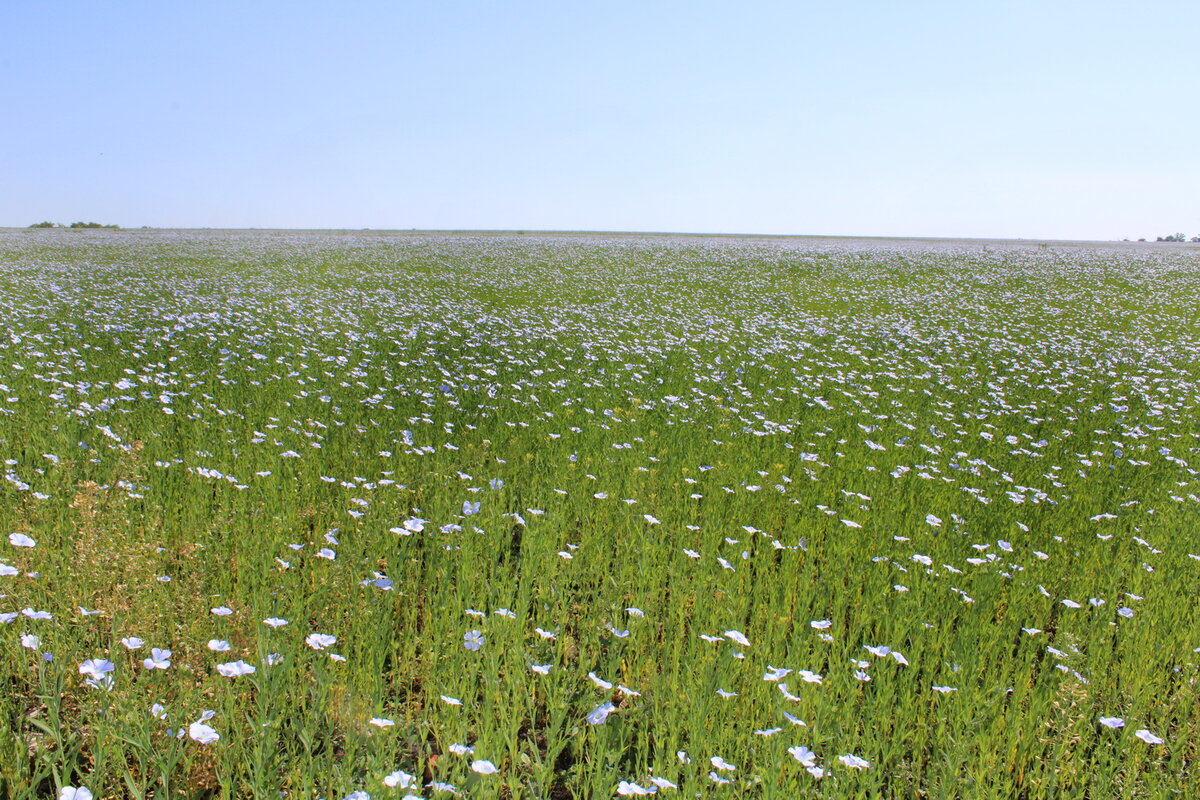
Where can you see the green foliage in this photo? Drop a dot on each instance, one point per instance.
(76, 225)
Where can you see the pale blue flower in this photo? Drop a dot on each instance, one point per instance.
(319, 641)
(159, 659)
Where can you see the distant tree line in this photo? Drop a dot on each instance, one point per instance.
(1174, 237)
(73, 225)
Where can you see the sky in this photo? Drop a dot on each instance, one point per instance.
(1048, 119)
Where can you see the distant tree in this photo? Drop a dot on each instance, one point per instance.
(44, 225)
(91, 225)
(1196, 238)
(1175, 237)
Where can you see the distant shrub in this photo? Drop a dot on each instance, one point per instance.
(91, 225)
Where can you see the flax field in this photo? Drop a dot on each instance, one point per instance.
(413, 515)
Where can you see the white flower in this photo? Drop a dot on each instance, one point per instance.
(21, 540)
(484, 767)
(854, 762)
(600, 682)
(802, 754)
(775, 673)
(202, 733)
(381, 722)
(721, 763)
(1112, 722)
(1147, 737)
(96, 668)
(737, 637)
(159, 659)
(400, 779)
(75, 793)
(236, 668)
(600, 713)
(319, 641)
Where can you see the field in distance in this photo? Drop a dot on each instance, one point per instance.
(534, 516)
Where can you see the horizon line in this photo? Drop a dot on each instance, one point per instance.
(601, 232)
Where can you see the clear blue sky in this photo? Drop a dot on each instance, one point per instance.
(1035, 118)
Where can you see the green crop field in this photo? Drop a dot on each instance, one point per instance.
(527, 516)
